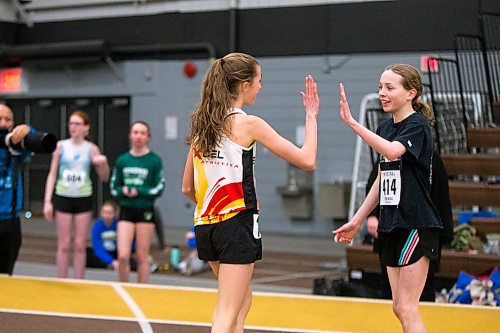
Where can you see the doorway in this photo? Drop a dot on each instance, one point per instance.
(110, 119)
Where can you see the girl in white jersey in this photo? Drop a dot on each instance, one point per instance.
(218, 177)
(68, 192)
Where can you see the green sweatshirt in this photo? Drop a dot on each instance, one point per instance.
(144, 173)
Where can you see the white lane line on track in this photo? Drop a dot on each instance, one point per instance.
(136, 310)
(155, 321)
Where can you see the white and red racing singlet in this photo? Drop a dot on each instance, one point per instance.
(224, 181)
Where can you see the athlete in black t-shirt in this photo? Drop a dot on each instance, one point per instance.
(440, 196)
(409, 226)
(415, 209)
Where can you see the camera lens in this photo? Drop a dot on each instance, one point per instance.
(40, 142)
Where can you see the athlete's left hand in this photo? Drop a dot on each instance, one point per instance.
(133, 192)
(310, 97)
(99, 160)
(346, 233)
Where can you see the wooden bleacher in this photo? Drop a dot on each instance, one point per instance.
(465, 193)
(496, 112)
(483, 137)
(471, 164)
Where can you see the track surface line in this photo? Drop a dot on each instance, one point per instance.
(136, 310)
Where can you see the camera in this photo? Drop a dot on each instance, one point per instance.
(37, 142)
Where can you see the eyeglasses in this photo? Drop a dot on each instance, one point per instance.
(75, 123)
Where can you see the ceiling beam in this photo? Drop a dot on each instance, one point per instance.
(24, 16)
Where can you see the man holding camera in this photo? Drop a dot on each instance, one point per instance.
(11, 188)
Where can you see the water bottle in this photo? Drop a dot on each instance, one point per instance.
(175, 256)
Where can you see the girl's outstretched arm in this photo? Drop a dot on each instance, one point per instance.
(304, 157)
(390, 149)
(346, 233)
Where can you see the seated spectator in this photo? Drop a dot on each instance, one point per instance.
(103, 253)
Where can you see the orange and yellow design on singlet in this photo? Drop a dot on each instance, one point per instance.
(224, 181)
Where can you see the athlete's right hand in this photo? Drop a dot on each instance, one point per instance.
(346, 233)
(345, 112)
(131, 193)
(48, 211)
(125, 191)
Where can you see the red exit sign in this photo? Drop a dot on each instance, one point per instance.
(11, 81)
(428, 64)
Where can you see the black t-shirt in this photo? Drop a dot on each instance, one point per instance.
(414, 168)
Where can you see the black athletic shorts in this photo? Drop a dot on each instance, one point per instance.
(72, 205)
(234, 241)
(403, 247)
(135, 215)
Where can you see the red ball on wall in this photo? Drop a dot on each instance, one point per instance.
(190, 69)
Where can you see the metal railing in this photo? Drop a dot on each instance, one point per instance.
(490, 27)
(448, 101)
(470, 52)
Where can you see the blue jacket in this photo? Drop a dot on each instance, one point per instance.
(6, 182)
(104, 240)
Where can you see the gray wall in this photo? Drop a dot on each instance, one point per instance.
(159, 89)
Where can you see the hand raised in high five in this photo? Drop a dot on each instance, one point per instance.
(310, 97)
(345, 112)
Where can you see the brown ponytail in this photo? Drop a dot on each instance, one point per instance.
(421, 106)
(219, 91)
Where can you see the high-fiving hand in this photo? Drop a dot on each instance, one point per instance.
(345, 112)
(310, 97)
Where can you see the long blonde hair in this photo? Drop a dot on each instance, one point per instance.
(219, 91)
(413, 80)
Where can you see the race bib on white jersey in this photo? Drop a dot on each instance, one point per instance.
(73, 178)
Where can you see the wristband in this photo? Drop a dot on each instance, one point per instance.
(12, 151)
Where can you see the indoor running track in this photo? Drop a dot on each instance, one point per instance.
(72, 306)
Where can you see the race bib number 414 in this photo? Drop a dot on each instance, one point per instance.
(390, 187)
